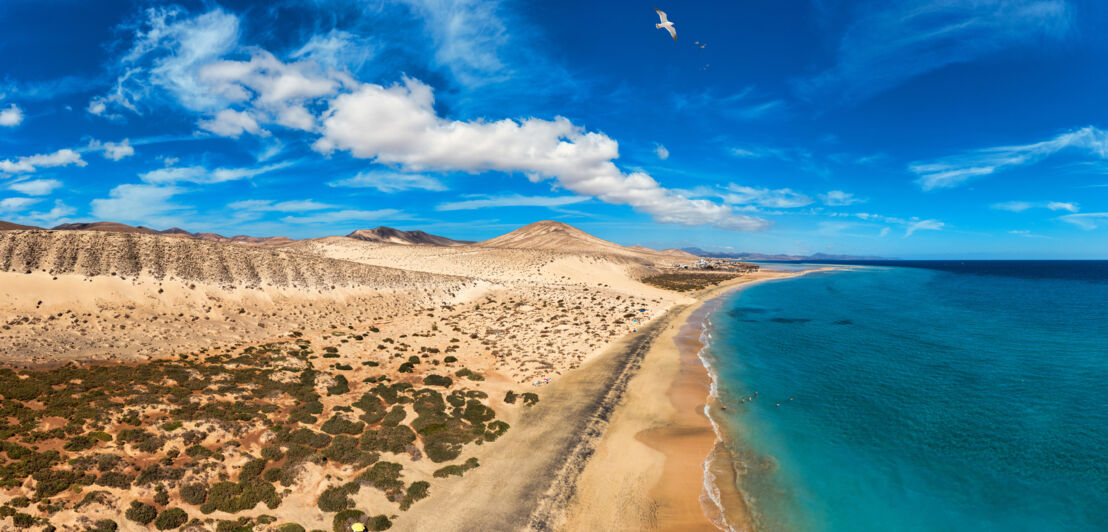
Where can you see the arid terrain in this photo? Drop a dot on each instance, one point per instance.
(168, 380)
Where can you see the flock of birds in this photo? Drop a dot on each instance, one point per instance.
(667, 24)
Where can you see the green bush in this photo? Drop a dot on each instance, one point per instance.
(233, 497)
(394, 417)
(114, 479)
(171, 518)
(344, 450)
(22, 520)
(530, 398)
(510, 397)
(450, 359)
(290, 527)
(272, 452)
(383, 476)
(337, 498)
(373, 407)
(141, 512)
(456, 470)
(416, 492)
(194, 493)
(252, 469)
(340, 425)
(468, 374)
(340, 387)
(388, 439)
(438, 380)
(104, 525)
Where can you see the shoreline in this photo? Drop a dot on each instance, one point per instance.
(648, 471)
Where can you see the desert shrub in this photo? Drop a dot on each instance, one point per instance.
(373, 407)
(80, 443)
(198, 451)
(306, 412)
(233, 497)
(50, 482)
(290, 527)
(456, 470)
(468, 374)
(383, 476)
(530, 398)
(194, 493)
(438, 380)
(22, 520)
(252, 469)
(171, 426)
(171, 518)
(340, 425)
(495, 430)
(273, 475)
(416, 492)
(510, 397)
(344, 450)
(141, 512)
(340, 387)
(304, 436)
(20, 502)
(104, 525)
(390, 439)
(406, 367)
(113, 479)
(161, 497)
(370, 363)
(394, 417)
(450, 359)
(157, 473)
(272, 452)
(337, 498)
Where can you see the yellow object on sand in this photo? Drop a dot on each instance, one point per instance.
(357, 527)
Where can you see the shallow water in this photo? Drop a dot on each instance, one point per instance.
(949, 397)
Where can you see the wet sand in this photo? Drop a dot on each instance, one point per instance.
(648, 470)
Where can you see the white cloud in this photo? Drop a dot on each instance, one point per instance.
(398, 125)
(16, 204)
(11, 117)
(893, 41)
(390, 182)
(148, 204)
(231, 123)
(1087, 221)
(838, 198)
(283, 206)
(343, 216)
(1020, 206)
(204, 176)
(56, 215)
(923, 225)
(783, 198)
(884, 232)
(661, 152)
(25, 165)
(112, 150)
(36, 187)
(513, 200)
(954, 170)
(337, 49)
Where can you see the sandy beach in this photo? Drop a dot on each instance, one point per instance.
(648, 471)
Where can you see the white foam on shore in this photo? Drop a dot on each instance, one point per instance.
(711, 488)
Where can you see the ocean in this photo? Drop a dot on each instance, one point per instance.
(920, 396)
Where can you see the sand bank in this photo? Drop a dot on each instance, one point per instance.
(648, 470)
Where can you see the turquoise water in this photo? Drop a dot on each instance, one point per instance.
(922, 399)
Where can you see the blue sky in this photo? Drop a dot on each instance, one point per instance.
(934, 128)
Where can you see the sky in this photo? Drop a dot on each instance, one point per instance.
(923, 129)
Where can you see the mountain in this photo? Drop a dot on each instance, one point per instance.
(389, 235)
(8, 226)
(553, 236)
(110, 227)
(762, 256)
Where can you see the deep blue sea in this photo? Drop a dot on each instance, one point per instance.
(946, 396)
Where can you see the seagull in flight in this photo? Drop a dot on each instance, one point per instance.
(666, 24)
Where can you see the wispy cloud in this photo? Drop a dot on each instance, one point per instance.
(1020, 206)
(390, 182)
(113, 150)
(954, 170)
(661, 152)
(838, 198)
(36, 187)
(144, 204)
(10, 205)
(349, 215)
(513, 200)
(56, 215)
(281, 206)
(202, 175)
(1087, 221)
(895, 41)
(31, 163)
(923, 225)
(782, 198)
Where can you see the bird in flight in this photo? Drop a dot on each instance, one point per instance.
(666, 24)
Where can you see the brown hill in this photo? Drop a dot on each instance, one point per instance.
(553, 236)
(389, 235)
(8, 226)
(111, 227)
(131, 254)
